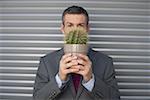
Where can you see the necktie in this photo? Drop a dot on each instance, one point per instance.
(76, 81)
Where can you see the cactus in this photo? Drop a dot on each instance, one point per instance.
(76, 36)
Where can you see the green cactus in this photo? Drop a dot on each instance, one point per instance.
(76, 36)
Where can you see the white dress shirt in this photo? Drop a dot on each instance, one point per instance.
(88, 85)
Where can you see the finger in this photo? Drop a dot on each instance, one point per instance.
(69, 59)
(81, 61)
(80, 72)
(66, 55)
(71, 70)
(84, 57)
(69, 65)
(66, 60)
(80, 67)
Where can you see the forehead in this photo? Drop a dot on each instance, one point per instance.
(75, 18)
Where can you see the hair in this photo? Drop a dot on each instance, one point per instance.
(75, 10)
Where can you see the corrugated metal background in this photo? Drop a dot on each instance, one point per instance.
(30, 29)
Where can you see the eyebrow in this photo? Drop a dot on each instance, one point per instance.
(72, 23)
(68, 23)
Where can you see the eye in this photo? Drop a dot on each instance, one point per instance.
(81, 25)
(69, 25)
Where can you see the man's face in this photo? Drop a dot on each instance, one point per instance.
(72, 21)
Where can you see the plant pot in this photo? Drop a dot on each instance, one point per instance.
(76, 48)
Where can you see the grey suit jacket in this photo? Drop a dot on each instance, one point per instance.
(105, 87)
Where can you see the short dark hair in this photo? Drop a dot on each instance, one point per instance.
(75, 10)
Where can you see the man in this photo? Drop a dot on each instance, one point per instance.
(75, 77)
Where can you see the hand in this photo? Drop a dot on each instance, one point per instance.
(85, 66)
(68, 64)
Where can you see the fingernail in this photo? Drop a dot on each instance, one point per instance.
(75, 57)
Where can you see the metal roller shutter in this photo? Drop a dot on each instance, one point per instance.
(30, 29)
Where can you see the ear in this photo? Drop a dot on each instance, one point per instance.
(88, 28)
(62, 28)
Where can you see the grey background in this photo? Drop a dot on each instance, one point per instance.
(30, 28)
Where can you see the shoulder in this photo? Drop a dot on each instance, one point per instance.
(53, 54)
(99, 55)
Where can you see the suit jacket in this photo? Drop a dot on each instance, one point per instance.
(105, 86)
